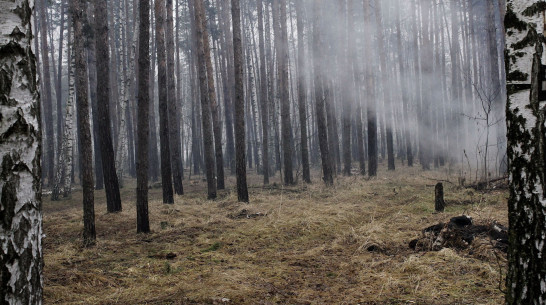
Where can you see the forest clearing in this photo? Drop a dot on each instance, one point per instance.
(304, 244)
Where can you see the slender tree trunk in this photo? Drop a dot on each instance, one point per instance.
(385, 81)
(405, 89)
(153, 165)
(242, 190)
(79, 14)
(46, 95)
(302, 94)
(319, 95)
(208, 139)
(174, 131)
(58, 83)
(358, 130)
(217, 127)
(113, 200)
(166, 176)
(370, 89)
(20, 177)
(143, 224)
(263, 94)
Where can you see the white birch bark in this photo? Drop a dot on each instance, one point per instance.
(20, 147)
(526, 113)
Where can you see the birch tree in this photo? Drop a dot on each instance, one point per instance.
(526, 122)
(20, 148)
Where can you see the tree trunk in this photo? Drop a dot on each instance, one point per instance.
(263, 94)
(166, 176)
(21, 217)
(526, 121)
(302, 96)
(281, 42)
(79, 15)
(217, 127)
(242, 190)
(208, 139)
(46, 95)
(319, 96)
(174, 131)
(370, 89)
(92, 65)
(143, 224)
(358, 130)
(113, 200)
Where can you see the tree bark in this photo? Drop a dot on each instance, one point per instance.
(20, 173)
(217, 127)
(166, 174)
(370, 89)
(143, 96)
(319, 96)
(174, 131)
(46, 95)
(526, 121)
(242, 189)
(264, 99)
(79, 15)
(113, 200)
(208, 140)
(302, 95)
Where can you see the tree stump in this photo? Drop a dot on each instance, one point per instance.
(439, 203)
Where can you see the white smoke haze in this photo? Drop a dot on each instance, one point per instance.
(451, 109)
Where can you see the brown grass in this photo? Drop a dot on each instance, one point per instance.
(311, 247)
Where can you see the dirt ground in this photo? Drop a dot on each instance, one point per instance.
(306, 244)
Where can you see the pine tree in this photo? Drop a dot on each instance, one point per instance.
(242, 189)
(79, 16)
(143, 223)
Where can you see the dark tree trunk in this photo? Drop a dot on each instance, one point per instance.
(174, 131)
(92, 66)
(46, 95)
(302, 94)
(21, 230)
(264, 99)
(153, 165)
(346, 97)
(79, 14)
(208, 139)
(217, 127)
(319, 96)
(372, 103)
(166, 174)
(143, 223)
(228, 94)
(242, 190)
(113, 200)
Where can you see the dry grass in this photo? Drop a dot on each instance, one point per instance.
(311, 247)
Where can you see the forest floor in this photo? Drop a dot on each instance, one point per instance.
(305, 244)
